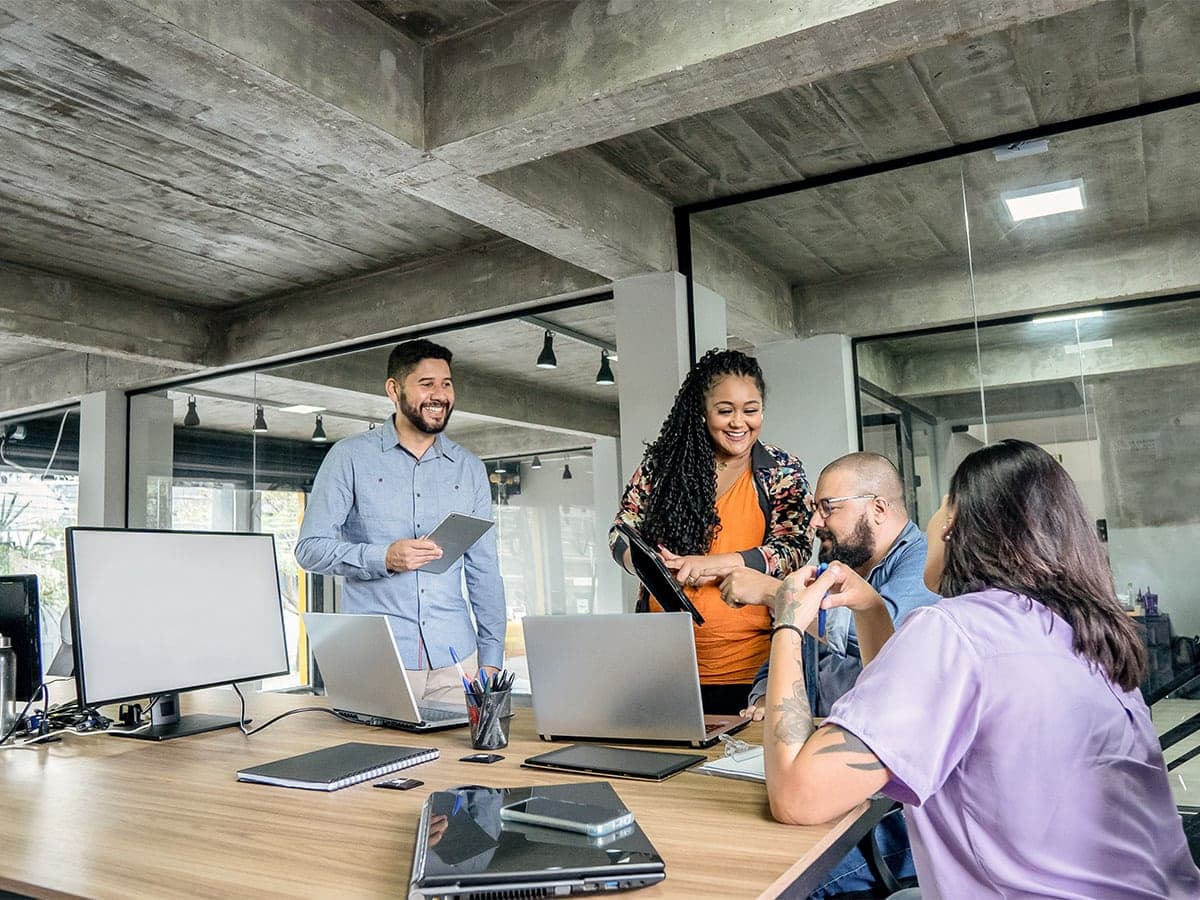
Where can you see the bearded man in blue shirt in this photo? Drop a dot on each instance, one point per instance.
(377, 495)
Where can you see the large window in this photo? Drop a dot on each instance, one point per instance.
(39, 500)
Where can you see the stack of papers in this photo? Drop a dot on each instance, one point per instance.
(747, 766)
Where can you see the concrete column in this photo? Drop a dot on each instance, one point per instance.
(102, 449)
(652, 340)
(151, 460)
(810, 409)
(615, 590)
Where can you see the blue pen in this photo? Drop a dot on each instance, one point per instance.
(821, 612)
(461, 674)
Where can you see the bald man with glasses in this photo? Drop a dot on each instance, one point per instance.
(861, 522)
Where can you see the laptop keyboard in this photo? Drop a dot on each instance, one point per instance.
(430, 714)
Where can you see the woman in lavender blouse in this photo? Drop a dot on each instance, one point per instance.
(1006, 717)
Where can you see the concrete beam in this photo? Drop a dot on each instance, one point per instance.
(1133, 266)
(576, 207)
(502, 441)
(49, 381)
(758, 302)
(334, 51)
(500, 277)
(333, 71)
(478, 393)
(72, 314)
(949, 372)
(558, 76)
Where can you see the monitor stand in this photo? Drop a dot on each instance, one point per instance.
(167, 723)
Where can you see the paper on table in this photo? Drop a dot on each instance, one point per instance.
(747, 767)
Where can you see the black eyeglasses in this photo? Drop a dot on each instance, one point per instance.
(826, 506)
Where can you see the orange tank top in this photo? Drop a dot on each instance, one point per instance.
(733, 643)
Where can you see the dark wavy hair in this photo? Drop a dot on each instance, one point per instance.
(1021, 526)
(681, 513)
(407, 356)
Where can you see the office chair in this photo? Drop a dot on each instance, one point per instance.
(888, 884)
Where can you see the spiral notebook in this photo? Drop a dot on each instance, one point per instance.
(337, 767)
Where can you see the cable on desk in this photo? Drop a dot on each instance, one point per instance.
(284, 715)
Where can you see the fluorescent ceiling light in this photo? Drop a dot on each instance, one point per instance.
(1070, 317)
(1088, 345)
(302, 408)
(1044, 200)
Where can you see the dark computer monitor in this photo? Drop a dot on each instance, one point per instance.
(154, 613)
(20, 621)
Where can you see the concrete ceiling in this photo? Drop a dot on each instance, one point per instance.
(191, 186)
(429, 21)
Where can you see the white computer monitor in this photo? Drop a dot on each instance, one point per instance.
(159, 612)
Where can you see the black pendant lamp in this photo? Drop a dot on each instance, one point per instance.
(605, 374)
(260, 420)
(546, 359)
(567, 476)
(318, 435)
(192, 418)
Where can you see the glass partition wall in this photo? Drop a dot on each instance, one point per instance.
(239, 452)
(1048, 290)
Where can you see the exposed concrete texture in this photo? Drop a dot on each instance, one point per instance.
(502, 276)
(481, 396)
(1120, 269)
(759, 301)
(810, 407)
(102, 455)
(1149, 425)
(956, 371)
(71, 314)
(652, 338)
(563, 75)
(574, 206)
(878, 366)
(511, 440)
(334, 51)
(60, 378)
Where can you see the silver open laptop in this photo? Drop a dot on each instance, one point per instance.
(364, 675)
(626, 677)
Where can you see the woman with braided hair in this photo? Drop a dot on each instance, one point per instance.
(710, 496)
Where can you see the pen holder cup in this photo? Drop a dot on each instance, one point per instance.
(489, 719)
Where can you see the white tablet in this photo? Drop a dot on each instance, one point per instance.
(455, 534)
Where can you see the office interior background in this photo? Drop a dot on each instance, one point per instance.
(938, 224)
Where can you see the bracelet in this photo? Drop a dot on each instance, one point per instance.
(779, 628)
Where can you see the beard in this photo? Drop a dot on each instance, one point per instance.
(417, 418)
(853, 551)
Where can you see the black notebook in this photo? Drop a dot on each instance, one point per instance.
(619, 762)
(337, 767)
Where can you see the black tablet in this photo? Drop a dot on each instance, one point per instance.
(656, 577)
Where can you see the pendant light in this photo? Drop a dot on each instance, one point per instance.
(318, 435)
(605, 374)
(546, 359)
(192, 418)
(260, 420)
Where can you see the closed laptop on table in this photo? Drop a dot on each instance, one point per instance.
(364, 675)
(465, 849)
(630, 677)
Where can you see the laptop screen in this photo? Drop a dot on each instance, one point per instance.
(467, 844)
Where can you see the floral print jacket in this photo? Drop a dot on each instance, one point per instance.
(783, 496)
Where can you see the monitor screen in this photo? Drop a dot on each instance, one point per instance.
(19, 621)
(156, 612)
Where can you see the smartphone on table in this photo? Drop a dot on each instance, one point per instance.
(567, 815)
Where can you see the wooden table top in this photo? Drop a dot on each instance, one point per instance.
(99, 816)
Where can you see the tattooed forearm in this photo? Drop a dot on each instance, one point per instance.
(787, 601)
(795, 723)
(850, 743)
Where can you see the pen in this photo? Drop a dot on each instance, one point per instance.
(821, 612)
(461, 674)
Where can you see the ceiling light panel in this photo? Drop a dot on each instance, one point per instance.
(1044, 200)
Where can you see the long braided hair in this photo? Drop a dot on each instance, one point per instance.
(681, 512)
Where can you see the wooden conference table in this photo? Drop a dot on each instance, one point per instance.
(100, 816)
